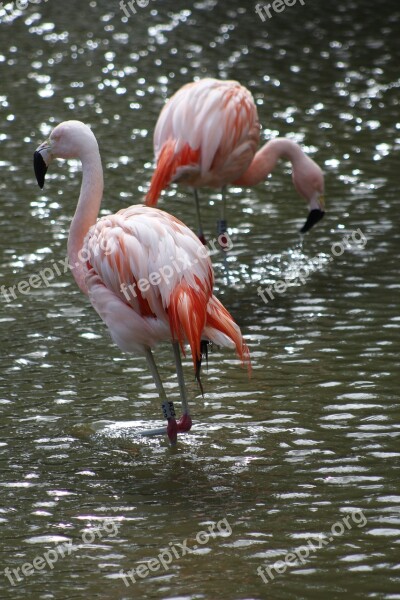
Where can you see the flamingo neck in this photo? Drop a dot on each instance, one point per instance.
(86, 212)
(266, 158)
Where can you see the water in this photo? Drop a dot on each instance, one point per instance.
(274, 464)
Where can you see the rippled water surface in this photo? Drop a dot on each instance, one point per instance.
(304, 456)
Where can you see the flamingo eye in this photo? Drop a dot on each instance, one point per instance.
(55, 136)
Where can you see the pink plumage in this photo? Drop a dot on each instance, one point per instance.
(140, 245)
(206, 136)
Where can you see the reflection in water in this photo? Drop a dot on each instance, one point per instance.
(313, 435)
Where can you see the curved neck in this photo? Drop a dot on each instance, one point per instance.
(86, 212)
(266, 158)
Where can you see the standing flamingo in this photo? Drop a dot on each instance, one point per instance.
(146, 274)
(207, 135)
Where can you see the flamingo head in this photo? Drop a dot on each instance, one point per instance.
(308, 180)
(70, 139)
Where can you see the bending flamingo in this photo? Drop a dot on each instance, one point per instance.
(146, 274)
(207, 135)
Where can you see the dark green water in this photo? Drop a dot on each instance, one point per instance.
(306, 451)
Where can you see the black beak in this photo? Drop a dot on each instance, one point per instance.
(314, 216)
(40, 168)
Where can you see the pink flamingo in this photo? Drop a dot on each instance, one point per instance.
(207, 135)
(146, 274)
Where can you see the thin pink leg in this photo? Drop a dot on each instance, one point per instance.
(185, 422)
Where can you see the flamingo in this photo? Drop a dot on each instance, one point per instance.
(207, 135)
(147, 275)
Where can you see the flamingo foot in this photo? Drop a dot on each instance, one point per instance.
(172, 430)
(185, 423)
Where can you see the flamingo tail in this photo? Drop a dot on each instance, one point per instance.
(187, 318)
(169, 160)
(190, 321)
(219, 319)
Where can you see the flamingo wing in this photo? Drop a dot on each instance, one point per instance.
(149, 278)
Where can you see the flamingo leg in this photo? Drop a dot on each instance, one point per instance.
(222, 226)
(167, 406)
(222, 223)
(185, 422)
(200, 234)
